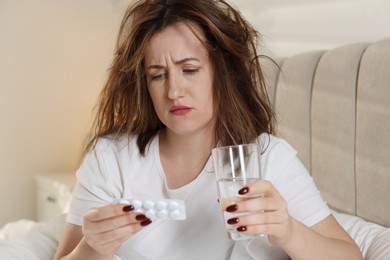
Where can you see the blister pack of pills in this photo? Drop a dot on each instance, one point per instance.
(157, 208)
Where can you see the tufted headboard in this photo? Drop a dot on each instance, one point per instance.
(333, 107)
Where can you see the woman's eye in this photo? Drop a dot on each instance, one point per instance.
(190, 71)
(158, 76)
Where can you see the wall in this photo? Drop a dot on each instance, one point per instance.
(53, 61)
(290, 27)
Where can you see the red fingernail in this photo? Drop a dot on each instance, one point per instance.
(231, 208)
(140, 217)
(145, 222)
(243, 191)
(241, 229)
(232, 221)
(128, 208)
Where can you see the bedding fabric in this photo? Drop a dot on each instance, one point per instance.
(34, 246)
(30, 240)
(380, 246)
(17, 229)
(372, 239)
(41, 242)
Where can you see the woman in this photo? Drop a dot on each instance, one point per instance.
(186, 78)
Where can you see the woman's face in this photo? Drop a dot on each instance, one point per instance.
(179, 78)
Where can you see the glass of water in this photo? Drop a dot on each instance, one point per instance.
(235, 167)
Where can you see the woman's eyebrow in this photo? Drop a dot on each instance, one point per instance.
(155, 67)
(176, 62)
(187, 59)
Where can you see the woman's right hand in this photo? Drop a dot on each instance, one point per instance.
(107, 227)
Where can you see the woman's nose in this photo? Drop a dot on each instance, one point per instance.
(175, 87)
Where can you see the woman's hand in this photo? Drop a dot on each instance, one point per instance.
(267, 213)
(106, 228)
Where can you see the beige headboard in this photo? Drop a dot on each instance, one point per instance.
(333, 107)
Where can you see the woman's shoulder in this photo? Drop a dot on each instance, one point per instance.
(115, 144)
(271, 144)
(120, 144)
(279, 159)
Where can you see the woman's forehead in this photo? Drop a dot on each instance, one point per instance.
(178, 41)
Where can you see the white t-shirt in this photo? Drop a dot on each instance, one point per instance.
(115, 169)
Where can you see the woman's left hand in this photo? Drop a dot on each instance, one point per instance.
(267, 214)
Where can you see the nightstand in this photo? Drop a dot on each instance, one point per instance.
(54, 192)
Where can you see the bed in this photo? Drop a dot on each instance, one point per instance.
(333, 106)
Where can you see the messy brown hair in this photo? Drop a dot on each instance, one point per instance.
(242, 105)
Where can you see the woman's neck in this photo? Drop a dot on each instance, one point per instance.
(183, 158)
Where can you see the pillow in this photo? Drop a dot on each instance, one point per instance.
(33, 246)
(372, 239)
(17, 229)
(31, 240)
(380, 246)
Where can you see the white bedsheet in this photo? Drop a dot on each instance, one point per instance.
(34, 246)
(28, 240)
(18, 229)
(372, 239)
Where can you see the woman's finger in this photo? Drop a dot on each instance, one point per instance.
(263, 187)
(260, 204)
(108, 211)
(115, 234)
(105, 225)
(263, 218)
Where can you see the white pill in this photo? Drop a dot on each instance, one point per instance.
(148, 204)
(162, 213)
(173, 206)
(161, 205)
(150, 213)
(174, 214)
(136, 204)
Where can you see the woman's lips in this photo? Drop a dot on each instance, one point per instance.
(179, 110)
